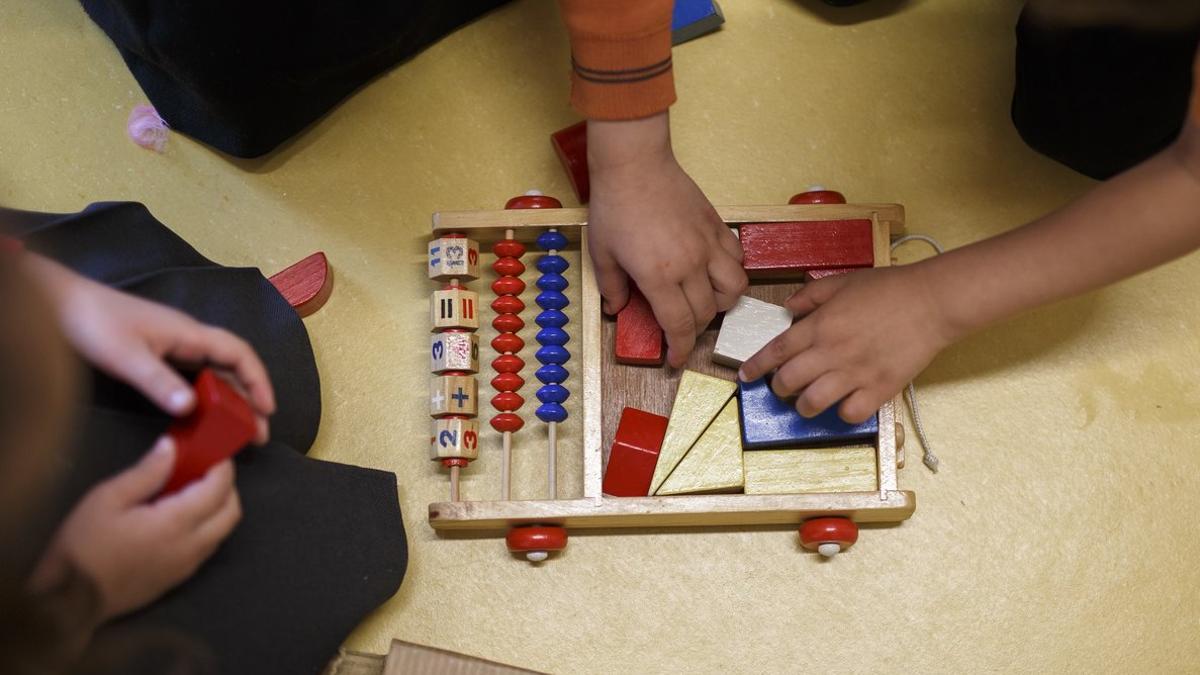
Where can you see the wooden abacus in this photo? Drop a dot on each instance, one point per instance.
(537, 527)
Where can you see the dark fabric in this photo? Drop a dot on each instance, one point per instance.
(246, 75)
(320, 544)
(1100, 99)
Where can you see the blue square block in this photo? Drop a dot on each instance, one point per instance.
(693, 18)
(771, 422)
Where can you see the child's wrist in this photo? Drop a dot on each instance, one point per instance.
(616, 145)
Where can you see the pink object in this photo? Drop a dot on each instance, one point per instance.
(146, 128)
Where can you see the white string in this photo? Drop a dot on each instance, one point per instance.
(929, 459)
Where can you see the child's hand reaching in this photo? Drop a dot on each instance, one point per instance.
(862, 338)
(649, 221)
(135, 549)
(136, 341)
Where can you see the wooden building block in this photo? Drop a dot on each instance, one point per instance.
(634, 453)
(221, 424)
(747, 327)
(454, 350)
(714, 464)
(454, 308)
(844, 469)
(813, 275)
(453, 395)
(698, 400)
(771, 422)
(453, 258)
(305, 285)
(570, 144)
(778, 250)
(639, 339)
(692, 18)
(454, 438)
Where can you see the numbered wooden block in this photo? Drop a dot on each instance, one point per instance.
(454, 350)
(454, 395)
(634, 453)
(771, 422)
(788, 250)
(845, 469)
(454, 438)
(747, 327)
(697, 401)
(453, 258)
(454, 308)
(714, 463)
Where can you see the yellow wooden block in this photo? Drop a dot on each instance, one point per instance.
(454, 395)
(697, 401)
(845, 469)
(714, 464)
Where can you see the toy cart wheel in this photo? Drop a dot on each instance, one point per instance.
(818, 195)
(536, 542)
(828, 536)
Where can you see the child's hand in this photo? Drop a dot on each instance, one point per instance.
(135, 549)
(864, 336)
(133, 340)
(649, 221)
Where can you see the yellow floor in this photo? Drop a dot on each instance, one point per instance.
(1059, 536)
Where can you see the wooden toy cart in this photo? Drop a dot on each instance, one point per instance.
(537, 527)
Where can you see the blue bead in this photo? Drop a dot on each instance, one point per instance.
(551, 300)
(552, 354)
(551, 318)
(552, 241)
(552, 336)
(551, 412)
(551, 373)
(553, 393)
(552, 264)
(552, 282)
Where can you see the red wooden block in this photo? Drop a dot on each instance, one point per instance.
(307, 284)
(571, 146)
(788, 249)
(221, 425)
(813, 275)
(634, 453)
(639, 339)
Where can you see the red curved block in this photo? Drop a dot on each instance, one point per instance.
(221, 425)
(571, 146)
(307, 284)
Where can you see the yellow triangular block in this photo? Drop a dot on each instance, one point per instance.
(697, 401)
(714, 464)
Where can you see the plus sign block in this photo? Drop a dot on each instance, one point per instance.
(454, 438)
(453, 395)
(454, 308)
(454, 350)
(453, 258)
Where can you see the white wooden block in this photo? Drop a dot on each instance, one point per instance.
(747, 327)
(453, 258)
(454, 308)
(454, 350)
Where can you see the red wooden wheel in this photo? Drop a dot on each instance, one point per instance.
(818, 196)
(828, 536)
(537, 542)
(533, 202)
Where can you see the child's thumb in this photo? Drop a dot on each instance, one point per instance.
(145, 479)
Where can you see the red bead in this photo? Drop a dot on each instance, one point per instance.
(509, 267)
(508, 286)
(536, 538)
(818, 197)
(508, 342)
(507, 401)
(509, 248)
(533, 202)
(507, 323)
(831, 530)
(507, 422)
(455, 461)
(507, 382)
(508, 363)
(508, 304)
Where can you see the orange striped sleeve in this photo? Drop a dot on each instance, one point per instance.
(620, 57)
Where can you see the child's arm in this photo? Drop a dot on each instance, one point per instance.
(866, 335)
(648, 220)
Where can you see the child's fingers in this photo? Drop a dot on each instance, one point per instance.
(732, 245)
(674, 315)
(860, 405)
(199, 500)
(224, 349)
(699, 292)
(146, 371)
(799, 372)
(780, 349)
(145, 479)
(216, 528)
(728, 280)
(822, 394)
(612, 282)
(813, 294)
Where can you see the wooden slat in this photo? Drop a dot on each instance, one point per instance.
(591, 336)
(689, 511)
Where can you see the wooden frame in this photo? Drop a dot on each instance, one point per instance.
(595, 510)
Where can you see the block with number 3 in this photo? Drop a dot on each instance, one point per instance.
(453, 258)
(454, 350)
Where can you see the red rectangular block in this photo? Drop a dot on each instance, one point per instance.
(639, 339)
(221, 425)
(634, 453)
(789, 249)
